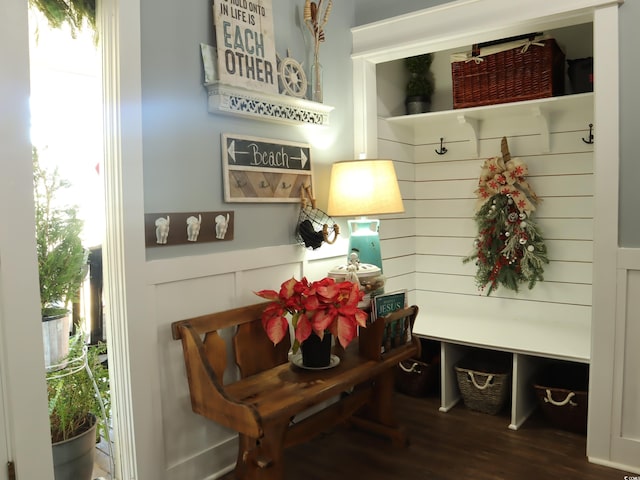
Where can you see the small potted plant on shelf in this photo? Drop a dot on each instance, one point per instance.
(62, 259)
(420, 85)
(77, 396)
(318, 310)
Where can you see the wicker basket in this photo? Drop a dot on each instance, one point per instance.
(419, 377)
(508, 72)
(484, 384)
(562, 392)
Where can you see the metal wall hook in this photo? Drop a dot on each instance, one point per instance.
(590, 139)
(443, 149)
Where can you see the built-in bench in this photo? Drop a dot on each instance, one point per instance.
(263, 405)
(555, 332)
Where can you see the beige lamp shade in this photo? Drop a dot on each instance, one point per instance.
(364, 187)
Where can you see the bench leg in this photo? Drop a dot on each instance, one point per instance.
(262, 458)
(377, 416)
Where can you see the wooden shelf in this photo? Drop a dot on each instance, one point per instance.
(263, 106)
(470, 119)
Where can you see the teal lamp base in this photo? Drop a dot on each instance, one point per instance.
(365, 241)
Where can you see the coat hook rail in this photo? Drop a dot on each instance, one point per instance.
(590, 139)
(443, 149)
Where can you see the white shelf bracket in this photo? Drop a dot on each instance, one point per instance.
(542, 118)
(471, 125)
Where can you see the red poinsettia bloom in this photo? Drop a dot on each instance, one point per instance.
(316, 307)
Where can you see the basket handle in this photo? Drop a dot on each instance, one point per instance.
(325, 233)
(549, 399)
(411, 369)
(306, 197)
(475, 384)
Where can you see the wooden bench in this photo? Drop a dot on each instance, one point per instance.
(262, 406)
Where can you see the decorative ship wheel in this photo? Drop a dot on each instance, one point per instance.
(292, 77)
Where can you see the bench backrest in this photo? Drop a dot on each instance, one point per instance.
(253, 351)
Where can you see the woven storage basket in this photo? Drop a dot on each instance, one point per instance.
(484, 384)
(562, 392)
(420, 377)
(507, 72)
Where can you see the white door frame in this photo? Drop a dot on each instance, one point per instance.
(132, 346)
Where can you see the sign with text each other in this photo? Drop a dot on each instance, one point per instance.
(245, 43)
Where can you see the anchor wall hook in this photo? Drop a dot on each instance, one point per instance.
(590, 139)
(443, 149)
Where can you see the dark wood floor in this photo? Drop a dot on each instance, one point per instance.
(459, 444)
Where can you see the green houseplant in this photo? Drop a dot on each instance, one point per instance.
(420, 85)
(72, 12)
(77, 395)
(62, 259)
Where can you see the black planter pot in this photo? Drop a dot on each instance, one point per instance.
(316, 353)
(417, 104)
(73, 459)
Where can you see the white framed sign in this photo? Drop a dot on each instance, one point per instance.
(245, 43)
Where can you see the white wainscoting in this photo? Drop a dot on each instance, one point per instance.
(185, 287)
(626, 390)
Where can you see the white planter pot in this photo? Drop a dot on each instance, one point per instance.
(55, 336)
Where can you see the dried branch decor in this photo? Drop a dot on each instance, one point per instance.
(315, 18)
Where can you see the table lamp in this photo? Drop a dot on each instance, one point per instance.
(359, 188)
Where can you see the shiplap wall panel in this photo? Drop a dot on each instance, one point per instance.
(397, 228)
(558, 271)
(550, 207)
(551, 228)
(538, 165)
(445, 228)
(398, 247)
(554, 292)
(397, 266)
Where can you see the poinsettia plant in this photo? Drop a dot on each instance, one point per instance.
(314, 307)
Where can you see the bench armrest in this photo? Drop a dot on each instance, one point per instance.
(208, 397)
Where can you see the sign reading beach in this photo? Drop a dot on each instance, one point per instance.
(245, 44)
(264, 170)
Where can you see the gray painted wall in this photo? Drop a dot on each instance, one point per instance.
(182, 170)
(629, 220)
(181, 140)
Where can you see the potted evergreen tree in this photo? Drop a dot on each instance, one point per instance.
(74, 13)
(77, 395)
(62, 259)
(420, 85)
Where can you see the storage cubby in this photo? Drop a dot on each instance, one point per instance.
(524, 369)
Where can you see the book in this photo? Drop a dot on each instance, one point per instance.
(397, 332)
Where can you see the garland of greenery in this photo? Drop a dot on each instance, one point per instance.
(509, 249)
(73, 12)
